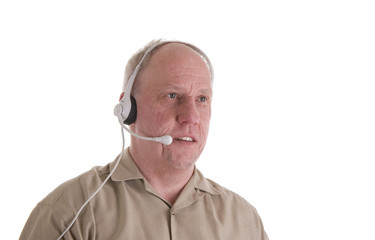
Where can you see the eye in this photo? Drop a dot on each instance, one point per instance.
(203, 99)
(172, 95)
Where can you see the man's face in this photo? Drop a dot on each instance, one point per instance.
(173, 97)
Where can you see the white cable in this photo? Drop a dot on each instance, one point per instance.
(101, 186)
(163, 139)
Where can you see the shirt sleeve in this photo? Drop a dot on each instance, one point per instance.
(258, 224)
(44, 223)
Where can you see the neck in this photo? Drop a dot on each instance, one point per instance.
(166, 179)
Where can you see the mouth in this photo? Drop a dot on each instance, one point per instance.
(185, 139)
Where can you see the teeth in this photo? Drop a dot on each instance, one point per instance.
(189, 139)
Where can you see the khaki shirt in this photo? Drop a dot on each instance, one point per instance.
(128, 207)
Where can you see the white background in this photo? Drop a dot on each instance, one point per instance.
(293, 119)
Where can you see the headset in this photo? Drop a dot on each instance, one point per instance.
(126, 109)
(126, 112)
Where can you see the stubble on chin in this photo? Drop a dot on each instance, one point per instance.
(181, 162)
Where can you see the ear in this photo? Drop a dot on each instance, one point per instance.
(121, 95)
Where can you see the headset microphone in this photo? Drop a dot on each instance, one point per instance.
(166, 139)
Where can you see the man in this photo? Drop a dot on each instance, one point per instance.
(155, 192)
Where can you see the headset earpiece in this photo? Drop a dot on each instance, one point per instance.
(133, 112)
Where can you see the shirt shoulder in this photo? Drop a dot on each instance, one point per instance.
(76, 189)
(52, 214)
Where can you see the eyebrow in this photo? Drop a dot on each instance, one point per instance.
(205, 91)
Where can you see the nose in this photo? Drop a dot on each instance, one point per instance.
(187, 112)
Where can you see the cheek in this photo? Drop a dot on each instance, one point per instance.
(161, 116)
(205, 119)
(205, 124)
(153, 119)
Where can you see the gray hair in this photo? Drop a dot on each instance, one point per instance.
(137, 57)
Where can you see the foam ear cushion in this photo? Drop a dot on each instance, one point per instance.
(133, 112)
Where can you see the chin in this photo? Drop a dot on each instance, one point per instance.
(182, 161)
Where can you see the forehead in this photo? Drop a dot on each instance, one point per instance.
(177, 53)
(178, 64)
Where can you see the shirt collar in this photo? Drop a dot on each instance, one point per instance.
(127, 170)
(202, 184)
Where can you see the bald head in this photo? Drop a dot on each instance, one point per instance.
(173, 60)
(156, 45)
